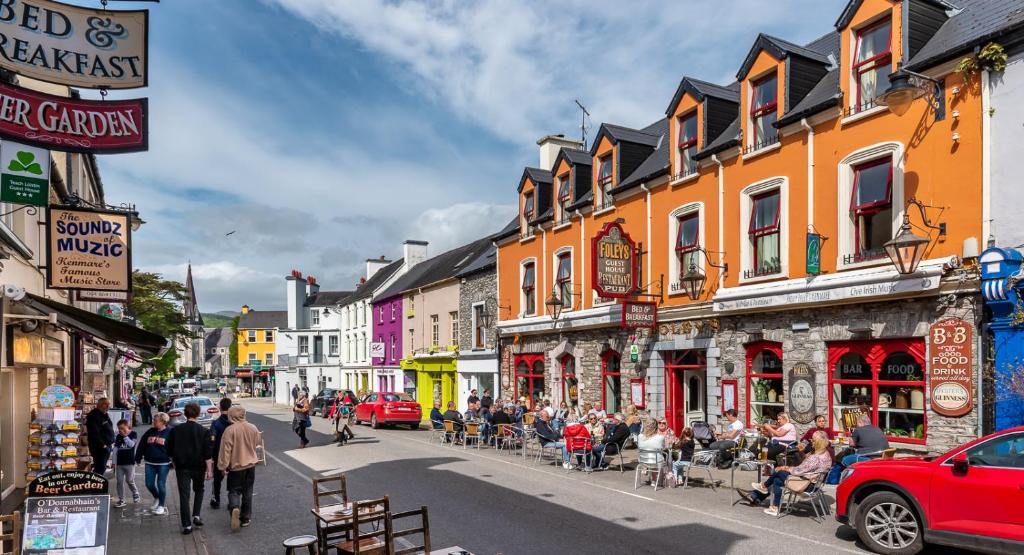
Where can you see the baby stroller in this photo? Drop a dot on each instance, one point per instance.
(703, 434)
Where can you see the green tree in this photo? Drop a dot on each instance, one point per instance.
(156, 303)
(233, 349)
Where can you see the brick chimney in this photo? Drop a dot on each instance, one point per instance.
(295, 296)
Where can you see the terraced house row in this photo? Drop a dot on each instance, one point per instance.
(810, 234)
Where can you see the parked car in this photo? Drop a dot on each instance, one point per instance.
(208, 412)
(165, 403)
(970, 497)
(389, 408)
(321, 402)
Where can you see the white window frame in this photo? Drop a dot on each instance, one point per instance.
(332, 345)
(847, 240)
(393, 305)
(746, 206)
(250, 336)
(363, 348)
(453, 327)
(435, 330)
(522, 296)
(253, 357)
(394, 346)
(268, 359)
(673, 234)
(483, 331)
(314, 316)
(303, 344)
(572, 274)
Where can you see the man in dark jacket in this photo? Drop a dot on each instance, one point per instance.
(549, 438)
(146, 406)
(218, 427)
(190, 446)
(437, 417)
(452, 414)
(100, 433)
(487, 400)
(612, 442)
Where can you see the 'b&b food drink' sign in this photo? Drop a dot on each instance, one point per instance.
(950, 376)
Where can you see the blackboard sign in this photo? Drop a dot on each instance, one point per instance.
(66, 524)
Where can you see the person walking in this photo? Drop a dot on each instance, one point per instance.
(300, 418)
(153, 450)
(190, 446)
(219, 425)
(146, 406)
(295, 393)
(238, 459)
(343, 413)
(124, 462)
(100, 433)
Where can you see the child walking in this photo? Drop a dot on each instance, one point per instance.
(124, 462)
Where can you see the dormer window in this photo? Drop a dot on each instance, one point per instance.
(871, 208)
(687, 144)
(764, 112)
(527, 214)
(529, 289)
(873, 63)
(604, 182)
(564, 197)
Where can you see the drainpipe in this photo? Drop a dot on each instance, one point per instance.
(721, 217)
(644, 188)
(544, 266)
(810, 172)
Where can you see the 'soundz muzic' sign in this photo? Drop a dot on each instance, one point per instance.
(74, 45)
(88, 249)
(613, 272)
(73, 125)
(950, 373)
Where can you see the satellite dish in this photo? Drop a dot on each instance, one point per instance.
(14, 292)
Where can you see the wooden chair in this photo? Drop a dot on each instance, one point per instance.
(528, 419)
(423, 530)
(889, 453)
(335, 486)
(375, 540)
(14, 535)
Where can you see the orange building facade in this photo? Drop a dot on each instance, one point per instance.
(782, 190)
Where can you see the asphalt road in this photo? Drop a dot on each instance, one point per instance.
(499, 504)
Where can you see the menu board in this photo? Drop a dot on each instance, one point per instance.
(75, 524)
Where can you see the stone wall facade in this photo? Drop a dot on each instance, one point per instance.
(481, 287)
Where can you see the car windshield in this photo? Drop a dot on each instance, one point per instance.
(397, 397)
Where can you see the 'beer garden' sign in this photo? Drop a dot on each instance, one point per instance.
(613, 273)
(88, 249)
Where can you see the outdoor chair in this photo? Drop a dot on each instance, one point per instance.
(528, 419)
(653, 463)
(582, 448)
(437, 431)
(334, 487)
(472, 432)
(619, 448)
(368, 536)
(813, 494)
(12, 521)
(703, 460)
(423, 530)
(530, 441)
(450, 433)
(507, 438)
(542, 448)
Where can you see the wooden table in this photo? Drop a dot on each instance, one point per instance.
(329, 517)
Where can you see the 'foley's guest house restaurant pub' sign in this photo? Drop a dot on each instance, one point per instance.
(614, 272)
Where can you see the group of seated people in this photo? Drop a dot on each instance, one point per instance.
(590, 440)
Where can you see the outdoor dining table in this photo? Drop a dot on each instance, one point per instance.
(333, 516)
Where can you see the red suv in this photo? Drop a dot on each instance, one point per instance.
(389, 408)
(970, 497)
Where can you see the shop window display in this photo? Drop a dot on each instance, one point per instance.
(765, 393)
(530, 378)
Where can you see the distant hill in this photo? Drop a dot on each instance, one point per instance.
(220, 319)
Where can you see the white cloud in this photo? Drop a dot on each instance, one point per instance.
(459, 224)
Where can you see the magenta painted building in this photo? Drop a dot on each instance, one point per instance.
(387, 329)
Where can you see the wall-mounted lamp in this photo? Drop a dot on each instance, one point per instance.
(906, 86)
(694, 279)
(906, 249)
(554, 304)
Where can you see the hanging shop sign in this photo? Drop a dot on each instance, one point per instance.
(103, 296)
(801, 393)
(73, 125)
(377, 349)
(950, 377)
(813, 253)
(24, 174)
(88, 249)
(614, 271)
(112, 311)
(74, 45)
(637, 314)
(634, 353)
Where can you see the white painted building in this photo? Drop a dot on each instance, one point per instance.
(1004, 95)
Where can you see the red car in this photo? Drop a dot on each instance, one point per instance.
(971, 497)
(389, 408)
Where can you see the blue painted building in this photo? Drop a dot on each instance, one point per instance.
(1002, 290)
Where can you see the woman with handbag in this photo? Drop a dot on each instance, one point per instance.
(344, 409)
(797, 477)
(300, 418)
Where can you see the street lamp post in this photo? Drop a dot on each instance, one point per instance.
(554, 305)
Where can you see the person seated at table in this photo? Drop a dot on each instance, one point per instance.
(488, 418)
(820, 425)
(686, 448)
(473, 412)
(612, 440)
(454, 416)
(549, 438)
(436, 418)
(562, 414)
(816, 463)
(633, 420)
(727, 440)
(780, 436)
(868, 441)
(583, 410)
(653, 443)
(579, 442)
(668, 436)
(595, 428)
(521, 408)
(599, 411)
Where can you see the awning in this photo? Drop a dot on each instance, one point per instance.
(243, 374)
(99, 326)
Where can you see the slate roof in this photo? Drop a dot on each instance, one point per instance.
(443, 266)
(778, 48)
(620, 133)
(979, 22)
(536, 175)
(829, 43)
(728, 139)
(510, 229)
(217, 337)
(655, 164)
(824, 95)
(327, 298)
(577, 156)
(367, 288)
(263, 319)
(487, 260)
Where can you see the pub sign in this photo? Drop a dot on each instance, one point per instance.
(614, 269)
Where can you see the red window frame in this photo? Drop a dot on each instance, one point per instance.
(754, 349)
(563, 362)
(604, 181)
(528, 208)
(772, 229)
(875, 352)
(687, 142)
(529, 286)
(564, 195)
(683, 249)
(860, 67)
(605, 358)
(859, 210)
(564, 282)
(530, 375)
(757, 112)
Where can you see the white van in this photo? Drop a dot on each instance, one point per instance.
(188, 385)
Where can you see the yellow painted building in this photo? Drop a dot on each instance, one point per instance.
(257, 336)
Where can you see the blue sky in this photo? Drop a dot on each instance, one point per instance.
(324, 132)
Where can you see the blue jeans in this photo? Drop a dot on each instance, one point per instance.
(854, 458)
(558, 445)
(678, 467)
(774, 483)
(156, 481)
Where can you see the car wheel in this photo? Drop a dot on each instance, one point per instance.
(887, 524)
(373, 422)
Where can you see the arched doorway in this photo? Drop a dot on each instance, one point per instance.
(686, 385)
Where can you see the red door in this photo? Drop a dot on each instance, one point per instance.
(675, 378)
